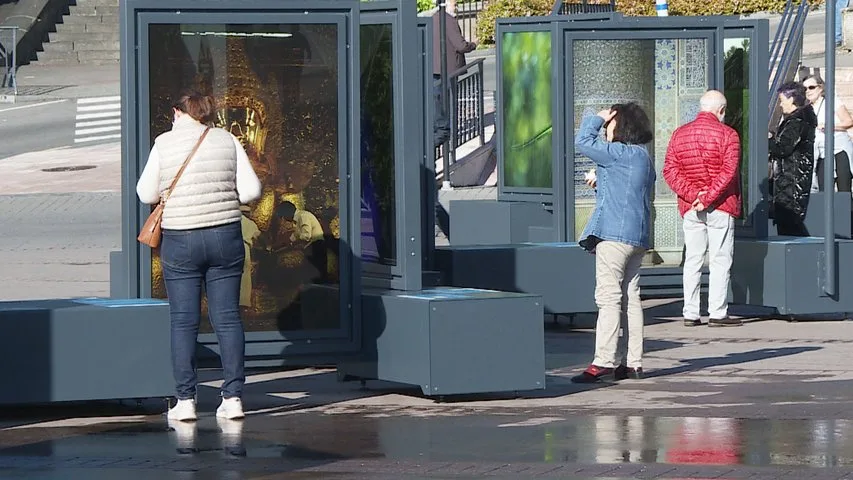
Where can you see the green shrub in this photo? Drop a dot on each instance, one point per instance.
(522, 8)
(424, 5)
(705, 7)
(505, 9)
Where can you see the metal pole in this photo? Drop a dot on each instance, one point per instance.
(445, 105)
(15, 60)
(829, 286)
(480, 104)
(780, 33)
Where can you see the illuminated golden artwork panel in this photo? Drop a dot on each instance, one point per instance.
(276, 88)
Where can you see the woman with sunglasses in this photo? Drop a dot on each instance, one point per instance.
(792, 156)
(618, 233)
(843, 145)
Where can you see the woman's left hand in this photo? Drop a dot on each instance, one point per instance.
(607, 115)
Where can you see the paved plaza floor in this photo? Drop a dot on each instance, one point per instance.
(769, 400)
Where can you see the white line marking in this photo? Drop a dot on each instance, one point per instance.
(97, 123)
(88, 131)
(96, 108)
(88, 116)
(31, 106)
(94, 139)
(82, 101)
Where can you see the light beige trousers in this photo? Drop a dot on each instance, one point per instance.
(617, 294)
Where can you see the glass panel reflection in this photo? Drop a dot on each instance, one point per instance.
(277, 91)
(526, 109)
(667, 78)
(736, 81)
(378, 213)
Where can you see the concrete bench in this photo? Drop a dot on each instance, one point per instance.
(85, 349)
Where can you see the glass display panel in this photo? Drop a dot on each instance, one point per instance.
(378, 206)
(666, 77)
(736, 84)
(526, 109)
(276, 88)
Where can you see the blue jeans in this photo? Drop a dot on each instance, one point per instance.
(839, 6)
(210, 257)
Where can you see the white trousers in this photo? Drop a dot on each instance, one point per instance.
(711, 233)
(617, 294)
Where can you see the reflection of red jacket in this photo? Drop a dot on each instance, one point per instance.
(706, 441)
(703, 156)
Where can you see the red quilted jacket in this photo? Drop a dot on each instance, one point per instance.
(703, 156)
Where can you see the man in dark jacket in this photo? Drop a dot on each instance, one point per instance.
(457, 46)
(701, 167)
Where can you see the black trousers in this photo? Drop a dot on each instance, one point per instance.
(789, 223)
(844, 178)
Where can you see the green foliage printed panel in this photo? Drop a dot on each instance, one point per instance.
(736, 82)
(526, 103)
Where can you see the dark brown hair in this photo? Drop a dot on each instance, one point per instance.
(195, 104)
(633, 126)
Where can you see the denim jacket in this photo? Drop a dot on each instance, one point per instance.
(625, 178)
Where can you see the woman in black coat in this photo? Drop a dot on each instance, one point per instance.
(792, 160)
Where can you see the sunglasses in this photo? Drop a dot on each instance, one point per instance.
(812, 87)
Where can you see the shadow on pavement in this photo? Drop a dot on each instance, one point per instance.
(730, 359)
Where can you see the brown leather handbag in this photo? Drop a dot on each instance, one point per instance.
(151, 233)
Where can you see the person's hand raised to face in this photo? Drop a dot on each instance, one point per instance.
(607, 115)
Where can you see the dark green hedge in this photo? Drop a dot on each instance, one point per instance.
(520, 8)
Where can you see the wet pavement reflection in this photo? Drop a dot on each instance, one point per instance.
(291, 442)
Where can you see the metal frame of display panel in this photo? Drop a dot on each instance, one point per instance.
(758, 33)
(628, 29)
(530, 194)
(531, 24)
(136, 16)
(429, 187)
(406, 273)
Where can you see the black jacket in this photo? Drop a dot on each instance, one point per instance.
(792, 154)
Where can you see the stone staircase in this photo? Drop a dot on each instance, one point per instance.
(89, 35)
(844, 86)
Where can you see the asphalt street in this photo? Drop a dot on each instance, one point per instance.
(34, 126)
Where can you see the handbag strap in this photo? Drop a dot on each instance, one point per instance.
(184, 166)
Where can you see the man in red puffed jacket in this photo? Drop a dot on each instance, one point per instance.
(701, 167)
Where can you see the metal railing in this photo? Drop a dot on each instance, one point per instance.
(8, 58)
(787, 47)
(467, 105)
(466, 15)
(573, 8)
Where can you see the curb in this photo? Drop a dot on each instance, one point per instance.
(51, 96)
(482, 52)
(11, 99)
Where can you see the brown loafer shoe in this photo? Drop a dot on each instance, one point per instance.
(725, 322)
(623, 373)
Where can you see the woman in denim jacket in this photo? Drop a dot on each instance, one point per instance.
(618, 233)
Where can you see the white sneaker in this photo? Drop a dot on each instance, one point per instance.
(185, 434)
(183, 411)
(230, 408)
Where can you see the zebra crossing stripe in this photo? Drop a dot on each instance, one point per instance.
(97, 119)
